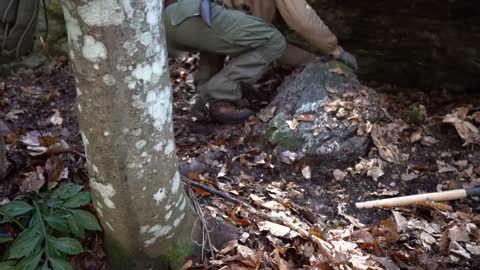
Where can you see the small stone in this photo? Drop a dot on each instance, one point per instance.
(339, 175)
(289, 157)
(244, 237)
(307, 172)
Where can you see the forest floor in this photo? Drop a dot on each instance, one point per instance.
(435, 156)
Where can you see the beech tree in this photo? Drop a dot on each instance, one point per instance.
(125, 113)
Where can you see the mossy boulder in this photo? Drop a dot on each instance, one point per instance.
(322, 114)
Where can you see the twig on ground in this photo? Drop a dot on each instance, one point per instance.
(206, 243)
(325, 248)
(387, 114)
(214, 191)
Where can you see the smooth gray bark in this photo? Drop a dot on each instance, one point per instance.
(125, 113)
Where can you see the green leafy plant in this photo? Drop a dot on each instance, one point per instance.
(50, 222)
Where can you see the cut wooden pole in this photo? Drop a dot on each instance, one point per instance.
(412, 199)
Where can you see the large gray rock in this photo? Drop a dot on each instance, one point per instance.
(318, 115)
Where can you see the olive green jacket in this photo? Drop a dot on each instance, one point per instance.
(297, 14)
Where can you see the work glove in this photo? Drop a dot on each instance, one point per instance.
(348, 59)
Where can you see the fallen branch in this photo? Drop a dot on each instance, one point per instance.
(325, 248)
(420, 198)
(214, 191)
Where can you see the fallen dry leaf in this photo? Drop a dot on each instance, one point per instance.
(407, 177)
(429, 141)
(375, 173)
(249, 257)
(229, 246)
(476, 117)
(280, 262)
(363, 237)
(307, 172)
(33, 181)
(244, 237)
(267, 113)
(55, 170)
(272, 205)
(400, 221)
(467, 131)
(386, 262)
(39, 144)
(292, 124)
(382, 193)
(444, 167)
(387, 231)
(461, 164)
(372, 167)
(385, 139)
(474, 249)
(289, 157)
(416, 136)
(256, 199)
(274, 228)
(339, 175)
(187, 265)
(13, 115)
(439, 206)
(56, 119)
(459, 233)
(457, 249)
(354, 221)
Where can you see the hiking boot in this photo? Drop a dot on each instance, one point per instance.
(227, 113)
(200, 110)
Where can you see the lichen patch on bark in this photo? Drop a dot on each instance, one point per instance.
(157, 231)
(73, 29)
(106, 192)
(102, 13)
(176, 183)
(93, 50)
(160, 195)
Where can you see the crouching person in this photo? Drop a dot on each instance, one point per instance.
(241, 29)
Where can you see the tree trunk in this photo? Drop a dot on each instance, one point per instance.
(125, 113)
(419, 43)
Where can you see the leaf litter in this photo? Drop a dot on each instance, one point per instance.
(305, 218)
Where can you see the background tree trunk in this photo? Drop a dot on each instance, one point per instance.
(420, 43)
(125, 113)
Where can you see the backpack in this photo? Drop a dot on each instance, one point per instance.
(18, 19)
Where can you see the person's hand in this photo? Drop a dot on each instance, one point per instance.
(345, 57)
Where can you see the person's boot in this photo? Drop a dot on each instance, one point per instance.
(200, 109)
(226, 112)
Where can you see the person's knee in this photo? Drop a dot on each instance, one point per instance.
(275, 47)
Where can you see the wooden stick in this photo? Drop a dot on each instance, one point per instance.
(408, 200)
(213, 191)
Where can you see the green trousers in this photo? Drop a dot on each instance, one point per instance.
(251, 43)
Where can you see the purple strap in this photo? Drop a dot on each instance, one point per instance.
(205, 10)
